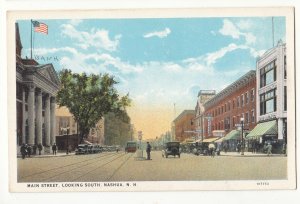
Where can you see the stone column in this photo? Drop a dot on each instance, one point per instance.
(52, 121)
(39, 117)
(31, 115)
(23, 115)
(47, 120)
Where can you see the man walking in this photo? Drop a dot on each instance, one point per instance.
(23, 150)
(148, 150)
(269, 148)
(54, 149)
(40, 147)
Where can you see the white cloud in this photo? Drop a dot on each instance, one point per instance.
(245, 24)
(75, 22)
(161, 34)
(98, 38)
(172, 67)
(230, 29)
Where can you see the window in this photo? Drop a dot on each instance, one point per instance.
(285, 99)
(225, 107)
(268, 74)
(233, 122)
(242, 100)
(285, 66)
(233, 104)
(238, 101)
(227, 123)
(228, 106)
(268, 102)
(252, 95)
(247, 117)
(252, 116)
(246, 97)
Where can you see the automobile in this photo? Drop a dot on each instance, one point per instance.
(171, 148)
(82, 149)
(94, 148)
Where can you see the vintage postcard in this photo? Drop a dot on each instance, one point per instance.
(151, 99)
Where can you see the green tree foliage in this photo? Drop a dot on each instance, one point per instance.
(89, 97)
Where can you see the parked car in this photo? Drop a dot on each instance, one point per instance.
(82, 149)
(171, 148)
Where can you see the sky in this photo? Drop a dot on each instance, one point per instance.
(161, 63)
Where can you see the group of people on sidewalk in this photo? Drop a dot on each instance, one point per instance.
(28, 150)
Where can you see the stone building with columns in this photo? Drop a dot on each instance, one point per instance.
(36, 88)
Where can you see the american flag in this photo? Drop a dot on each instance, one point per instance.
(40, 27)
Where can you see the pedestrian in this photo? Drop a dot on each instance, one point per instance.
(269, 148)
(283, 149)
(238, 147)
(40, 148)
(54, 148)
(34, 149)
(29, 150)
(23, 150)
(211, 148)
(225, 147)
(148, 150)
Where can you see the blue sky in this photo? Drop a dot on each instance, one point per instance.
(158, 61)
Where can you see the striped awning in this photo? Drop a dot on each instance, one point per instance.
(266, 128)
(233, 135)
(211, 139)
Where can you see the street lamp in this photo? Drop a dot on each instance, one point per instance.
(242, 123)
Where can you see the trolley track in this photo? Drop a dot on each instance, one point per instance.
(115, 171)
(105, 164)
(68, 165)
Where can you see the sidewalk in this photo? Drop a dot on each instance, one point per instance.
(250, 154)
(59, 154)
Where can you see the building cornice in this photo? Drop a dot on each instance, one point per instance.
(241, 82)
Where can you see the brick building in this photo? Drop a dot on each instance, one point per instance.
(184, 125)
(225, 109)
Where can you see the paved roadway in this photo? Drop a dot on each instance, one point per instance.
(111, 166)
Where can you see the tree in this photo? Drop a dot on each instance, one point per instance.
(89, 97)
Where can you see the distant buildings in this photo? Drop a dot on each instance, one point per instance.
(184, 125)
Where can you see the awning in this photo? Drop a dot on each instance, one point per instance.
(233, 135)
(220, 139)
(210, 139)
(266, 128)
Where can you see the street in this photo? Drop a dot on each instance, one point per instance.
(112, 166)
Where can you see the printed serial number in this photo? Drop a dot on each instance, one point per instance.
(262, 183)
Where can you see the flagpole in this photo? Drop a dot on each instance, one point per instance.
(31, 40)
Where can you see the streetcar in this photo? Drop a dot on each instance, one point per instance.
(131, 146)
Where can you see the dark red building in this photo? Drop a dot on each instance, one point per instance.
(225, 109)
